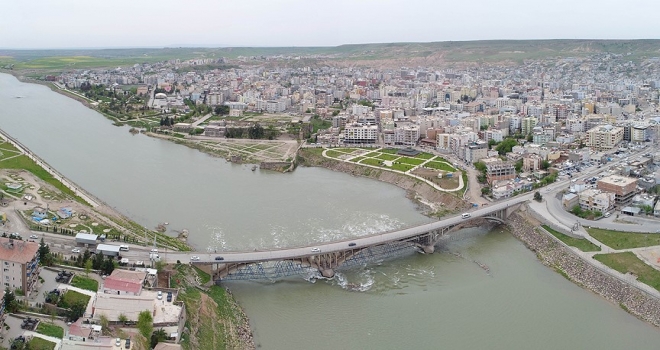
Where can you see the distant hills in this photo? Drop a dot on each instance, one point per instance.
(448, 52)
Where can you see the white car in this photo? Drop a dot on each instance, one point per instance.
(316, 250)
(34, 236)
(160, 295)
(118, 342)
(194, 258)
(75, 250)
(154, 250)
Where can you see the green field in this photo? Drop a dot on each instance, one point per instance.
(628, 262)
(71, 297)
(624, 240)
(85, 283)
(385, 156)
(582, 244)
(371, 161)
(402, 167)
(411, 161)
(37, 343)
(334, 154)
(50, 329)
(357, 159)
(440, 166)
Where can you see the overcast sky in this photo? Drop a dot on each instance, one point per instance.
(148, 23)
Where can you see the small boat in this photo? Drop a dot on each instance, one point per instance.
(254, 167)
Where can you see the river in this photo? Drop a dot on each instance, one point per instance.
(433, 301)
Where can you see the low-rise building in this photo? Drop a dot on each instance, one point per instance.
(124, 282)
(596, 200)
(497, 170)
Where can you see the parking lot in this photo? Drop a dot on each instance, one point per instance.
(14, 331)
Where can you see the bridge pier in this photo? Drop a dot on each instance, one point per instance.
(428, 249)
(327, 273)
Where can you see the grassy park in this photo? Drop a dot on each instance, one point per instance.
(582, 244)
(624, 240)
(628, 262)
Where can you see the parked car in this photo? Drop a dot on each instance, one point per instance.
(75, 250)
(194, 258)
(128, 343)
(34, 236)
(118, 342)
(169, 296)
(160, 295)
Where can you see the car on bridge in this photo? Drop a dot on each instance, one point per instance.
(352, 244)
(219, 258)
(316, 250)
(194, 258)
(465, 215)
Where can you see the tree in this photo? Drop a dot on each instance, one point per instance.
(545, 164)
(485, 191)
(221, 110)
(530, 138)
(492, 143)
(105, 324)
(157, 337)
(506, 146)
(76, 311)
(122, 318)
(108, 266)
(145, 324)
(537, 196)
(88, 267)
(45, 257)
(518, 165)
(11, 304)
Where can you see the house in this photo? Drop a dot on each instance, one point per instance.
(39, 213)
(124, 282)
(596, 200)
(64, 212)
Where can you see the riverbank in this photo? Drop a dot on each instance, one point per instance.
(432, 203)
(583, 273)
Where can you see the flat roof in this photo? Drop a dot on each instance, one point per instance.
(86, 236)
(108, 247)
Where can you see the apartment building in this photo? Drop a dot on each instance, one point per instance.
(497, 170)
(624, 188)
(596, 200)
(360, 134)
(20, 264)
(604, 137)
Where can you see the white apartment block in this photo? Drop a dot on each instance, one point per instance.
(493, 135)
(407, 135)
(20, 264)
(361, 134)
(605, 137)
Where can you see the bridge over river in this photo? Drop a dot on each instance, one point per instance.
(328, 257)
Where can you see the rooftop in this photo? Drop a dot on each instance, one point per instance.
(17, 251)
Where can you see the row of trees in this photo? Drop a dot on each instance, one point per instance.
(254, 132)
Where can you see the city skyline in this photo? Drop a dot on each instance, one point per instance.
(120, 24)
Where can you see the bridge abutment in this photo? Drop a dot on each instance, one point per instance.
(428, 249)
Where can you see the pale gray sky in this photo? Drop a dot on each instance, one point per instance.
(149, 23)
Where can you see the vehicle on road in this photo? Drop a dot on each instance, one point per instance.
(352, 244)
(194, 258)
(123, 248)
(465, 215)
(75, 250)
(316, 250)
(219, 258)
(34, 236)
(607, 215)
(154, 250)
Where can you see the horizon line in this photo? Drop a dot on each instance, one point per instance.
(224, 46)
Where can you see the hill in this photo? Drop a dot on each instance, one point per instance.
(491, 51)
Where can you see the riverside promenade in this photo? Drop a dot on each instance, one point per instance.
(77, 190)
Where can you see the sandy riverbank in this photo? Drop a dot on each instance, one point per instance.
(583, 273)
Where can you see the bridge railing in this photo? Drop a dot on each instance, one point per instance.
(347, 239)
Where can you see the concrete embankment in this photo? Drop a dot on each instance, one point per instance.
(553, 254)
